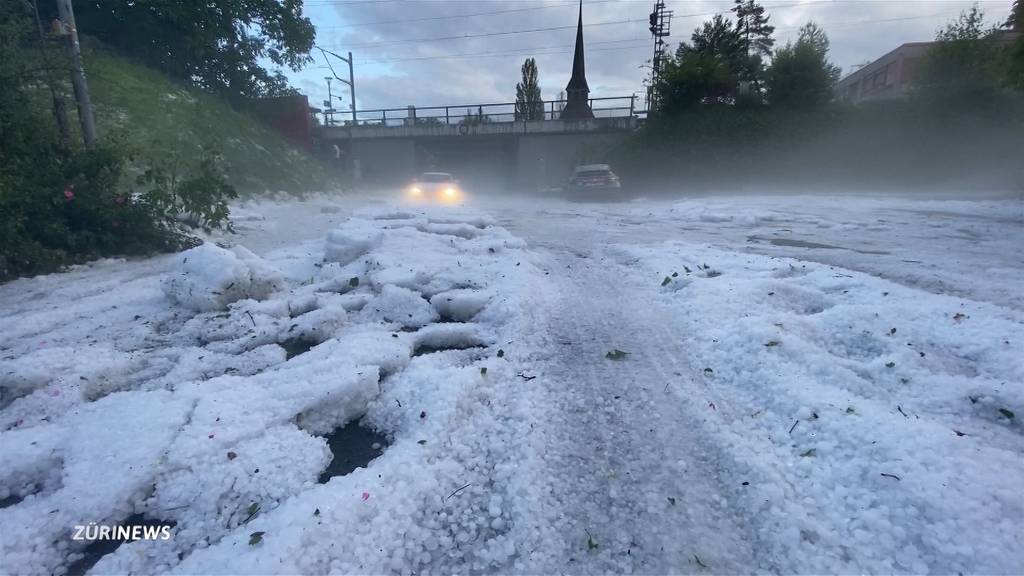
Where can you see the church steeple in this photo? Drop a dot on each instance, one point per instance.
(577, 104)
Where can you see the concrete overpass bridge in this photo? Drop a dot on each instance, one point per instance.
(482, 144)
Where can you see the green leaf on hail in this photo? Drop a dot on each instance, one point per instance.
(616, 355)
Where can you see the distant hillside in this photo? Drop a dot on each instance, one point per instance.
(159, 116)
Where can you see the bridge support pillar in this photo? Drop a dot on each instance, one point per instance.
(385, 160)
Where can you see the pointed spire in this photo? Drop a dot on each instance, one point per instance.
(578, 81)
(577, 104)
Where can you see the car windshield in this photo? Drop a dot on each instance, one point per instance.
(435, 177)
(593, 173)
(734, 292)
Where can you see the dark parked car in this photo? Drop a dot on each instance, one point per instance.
(592, 181)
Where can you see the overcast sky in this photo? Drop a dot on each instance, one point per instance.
(434, 52)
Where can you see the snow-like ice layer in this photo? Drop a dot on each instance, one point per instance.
(460, 305)
(397, 305)
(236, 444)
(106, 453)
(864, 426)
(91, 370)
(355, 239)
(724, 358)
(211, 277)
(318, 324)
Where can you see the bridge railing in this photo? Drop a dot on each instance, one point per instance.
(608, 107)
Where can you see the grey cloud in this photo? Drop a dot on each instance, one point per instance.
(386, 77)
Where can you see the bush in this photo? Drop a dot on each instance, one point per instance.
(200, 199)
(70, 208)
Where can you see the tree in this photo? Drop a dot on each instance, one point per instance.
(1014, 53)
(801, 75)
(472, 118)
(692, 80)
(529, 105)
(963, 67)
(705, 70)
(218, 45)
(717, 38)
(756, 35)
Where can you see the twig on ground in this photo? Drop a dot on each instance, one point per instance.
(459, 490)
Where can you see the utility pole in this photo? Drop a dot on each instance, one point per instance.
(352, 88)
(329, 111)
(60, 112)
(661, 21)
(351, 77)
(81, 87)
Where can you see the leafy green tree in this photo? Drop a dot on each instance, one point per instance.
(705, 70)
(717, 38)
(694, 79)
(529, 105)
(801, 75)
(755, 33)
(753, 27)
(964, 65)
(1013, 55)
(218, 45)
(472, 118)
(1016, 19)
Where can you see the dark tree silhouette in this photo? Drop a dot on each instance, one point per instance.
(529, 105)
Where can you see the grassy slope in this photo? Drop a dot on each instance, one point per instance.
(159, 117)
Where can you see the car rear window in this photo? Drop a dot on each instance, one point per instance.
(593, 173)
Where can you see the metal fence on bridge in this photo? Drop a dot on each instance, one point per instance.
(610, 107)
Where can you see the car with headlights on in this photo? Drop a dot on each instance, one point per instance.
(436, 187)
(593, 181)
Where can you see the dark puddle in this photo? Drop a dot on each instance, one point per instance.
(449, 319)
(11, 500)
(353, 446)
(427, 348)
(802, 244)
(15, 498)
(805, 244)
(100, 548)
(295, 346)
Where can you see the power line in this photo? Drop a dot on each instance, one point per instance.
(490, 34)
(455, 16)
(674, 37)
(827, 25)
(545, 29)
(349, 2)
(567, 50)
(503, 52)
